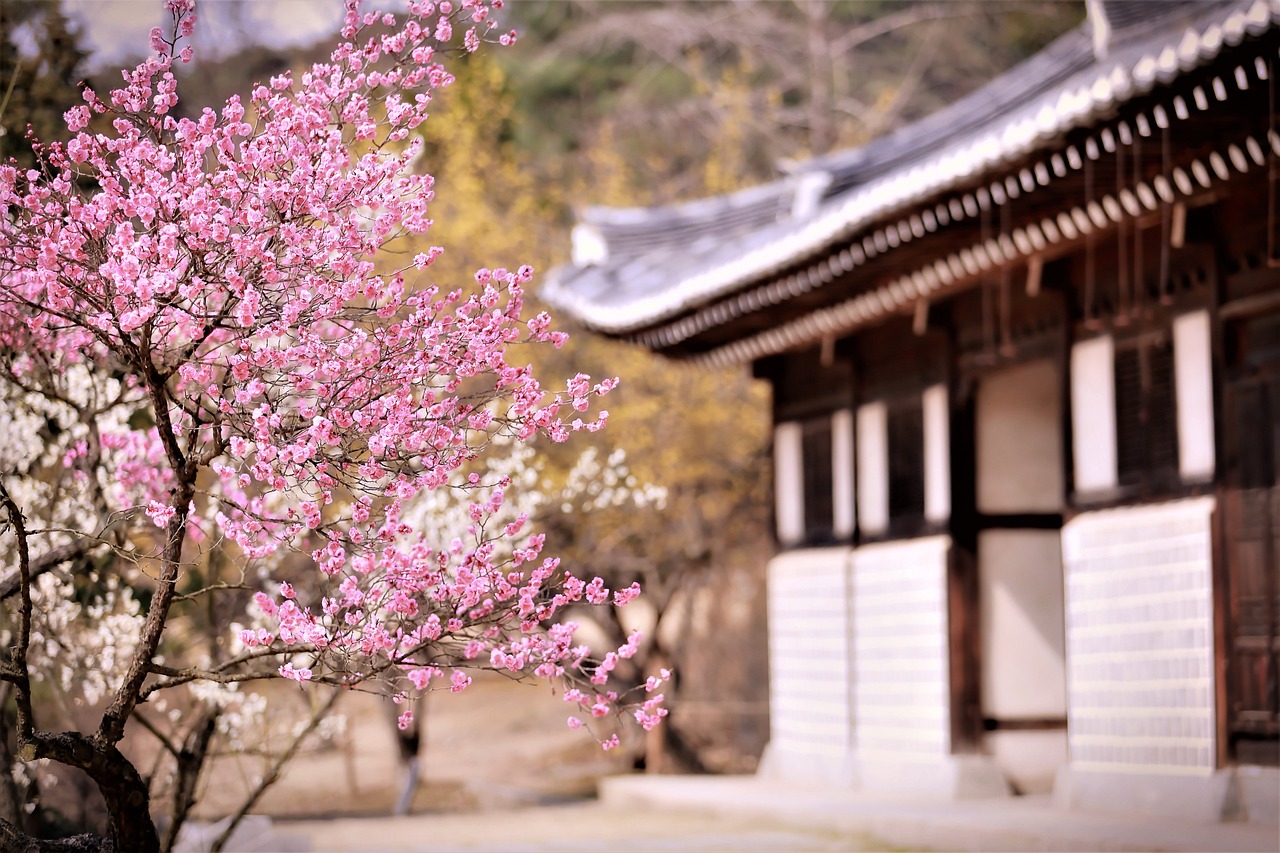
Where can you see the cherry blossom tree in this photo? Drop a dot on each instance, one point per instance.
(220, 346)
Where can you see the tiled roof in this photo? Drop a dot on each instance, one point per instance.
(656, 272)
(645, 245)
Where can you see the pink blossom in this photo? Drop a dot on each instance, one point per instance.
(160, 513)
(298, 675)
(420, 677)
(622, 597)
(596, 592)
(649, 721)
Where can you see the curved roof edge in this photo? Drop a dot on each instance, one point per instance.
(605, 299)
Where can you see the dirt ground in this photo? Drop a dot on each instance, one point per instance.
(500, 772)
(498, 743)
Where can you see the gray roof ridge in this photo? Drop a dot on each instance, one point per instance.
(1057, 63)
(617, 216)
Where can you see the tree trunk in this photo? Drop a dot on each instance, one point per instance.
(190, 762)
(657, 739)
(128, 801)
(409, 742)
(821, 129)
(129, 823)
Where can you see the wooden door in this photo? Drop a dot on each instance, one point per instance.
(1251, 537)
(1019, 490)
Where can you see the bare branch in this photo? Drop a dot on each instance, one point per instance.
(147, 725)
(269, 778)
(48, 561)
(898, 20)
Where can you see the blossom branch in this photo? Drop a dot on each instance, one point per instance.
(49, 560)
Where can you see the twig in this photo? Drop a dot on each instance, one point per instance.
(273, 774)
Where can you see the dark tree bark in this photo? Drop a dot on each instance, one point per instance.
(190, 760)
(409, 746)
(13, 840)
(128, 801)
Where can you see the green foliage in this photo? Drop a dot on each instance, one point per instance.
(489, 208)
(648, 79)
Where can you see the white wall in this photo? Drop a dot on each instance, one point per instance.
(1140, 671)
(1019, 449)
(1023, 635)
(937, 453)
(842, 475)
(873, 467)
(788, 482)
(1193, 390)
(1093, 414)
(1019, 440)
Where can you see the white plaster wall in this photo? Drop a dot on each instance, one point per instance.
(842, 474)
(1023, 638)
(900, 666)
(788, 482)
(810, 719)
(1019, 440)
(937, 453)
(1193, 384)
(873, 467)
(1030, 760)
(1140, 671)
(1093, 414)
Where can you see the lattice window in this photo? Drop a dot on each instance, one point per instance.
(906, 460)
(1146, 413)
(816, 444)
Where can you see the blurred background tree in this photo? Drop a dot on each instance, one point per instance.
(816, 75)
(41, 67)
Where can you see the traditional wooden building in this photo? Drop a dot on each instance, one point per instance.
(1025, 360)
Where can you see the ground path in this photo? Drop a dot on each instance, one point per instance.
(589, 827)
(503, 773)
